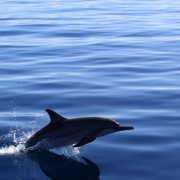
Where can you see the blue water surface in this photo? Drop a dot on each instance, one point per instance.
(109, 58)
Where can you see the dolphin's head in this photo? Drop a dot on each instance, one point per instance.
(112, 126)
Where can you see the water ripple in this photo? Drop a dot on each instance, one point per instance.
(117, 59)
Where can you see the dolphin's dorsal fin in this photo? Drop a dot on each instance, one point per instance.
(55, 117)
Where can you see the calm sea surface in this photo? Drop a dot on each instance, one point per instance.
(111, 58)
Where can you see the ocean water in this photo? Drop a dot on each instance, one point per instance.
(111, 58)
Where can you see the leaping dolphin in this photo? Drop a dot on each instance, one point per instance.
(76, 132)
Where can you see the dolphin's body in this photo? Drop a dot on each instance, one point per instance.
(76, 132)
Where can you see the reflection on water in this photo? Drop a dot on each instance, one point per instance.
(41, 164)
(63, 167)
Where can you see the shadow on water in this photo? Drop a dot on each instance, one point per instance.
(58, 167)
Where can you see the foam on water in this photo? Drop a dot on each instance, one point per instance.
(11, 149)
(17, 139)
(69, 151)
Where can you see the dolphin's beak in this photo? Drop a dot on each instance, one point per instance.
(123, 128)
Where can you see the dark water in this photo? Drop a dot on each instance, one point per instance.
(117, 59)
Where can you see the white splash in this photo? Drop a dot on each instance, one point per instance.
(11, 149)
(18, 138)
(69, 151)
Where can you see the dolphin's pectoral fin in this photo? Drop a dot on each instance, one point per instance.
(84, 141)
(55, 117)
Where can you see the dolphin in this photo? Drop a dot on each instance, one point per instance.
(76, 132)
